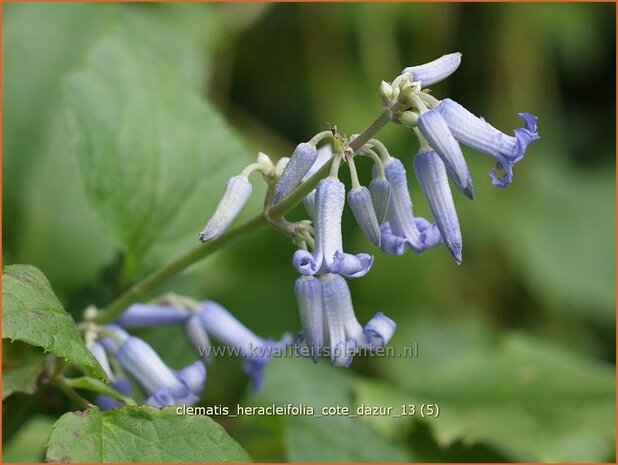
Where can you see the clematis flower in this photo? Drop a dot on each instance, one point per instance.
(237, 193)
(309, 297)
(431, 173)
(434, 71)
(328, 255)
(362, 208)
(255, 351)
(162, 385)
(325, 153)
(402, 228)
(329, 323)
(143, 315)
(478, 134)
(434, 128)
(302, 159)
(380, 191)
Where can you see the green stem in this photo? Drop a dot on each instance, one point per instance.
(143, 287)
(298, 194)
(68, 391)
(371, 130)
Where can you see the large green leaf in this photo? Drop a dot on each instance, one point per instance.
(154, 155)
(31, 313)
(141, 434)
(528, 399)
(309, 438)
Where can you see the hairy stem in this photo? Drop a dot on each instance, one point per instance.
(68, 391)
(143, 287)
(150, 282)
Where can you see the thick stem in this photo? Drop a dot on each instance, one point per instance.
(143, 287)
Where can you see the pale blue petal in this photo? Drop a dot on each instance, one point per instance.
(144, 364)
(143, 315)
(193, 376)
(434, 71)
(431, 174)
(303, 158)
(391, 243)
(364, 213)
(379, 330)
(380, 190)
(237, 192)
(309, 297)
(400, 214)
(478, 134)
(435, 129)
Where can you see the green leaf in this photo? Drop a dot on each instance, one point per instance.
(22, 379)
(32, 313)
(98, 386)
(141, 434)
(153, 154)
(343, 438)
(528, 399)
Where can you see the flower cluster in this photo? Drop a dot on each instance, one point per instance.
(129, 360)
(383, 211)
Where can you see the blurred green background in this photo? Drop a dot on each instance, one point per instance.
(517, 345)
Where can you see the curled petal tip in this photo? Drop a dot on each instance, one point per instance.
(304, 263)
(379, 330)
(351, 266)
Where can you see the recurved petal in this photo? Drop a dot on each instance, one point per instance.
(430, 234)
(305, 263)
(304, 156)
(391, 243)
(434, 71)
(379, 330)
(434, 128)
(349, 265)
(364, 213)
(193, 376)
(237, 192)
(142, 315)
(478, 134)
(431, 173)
